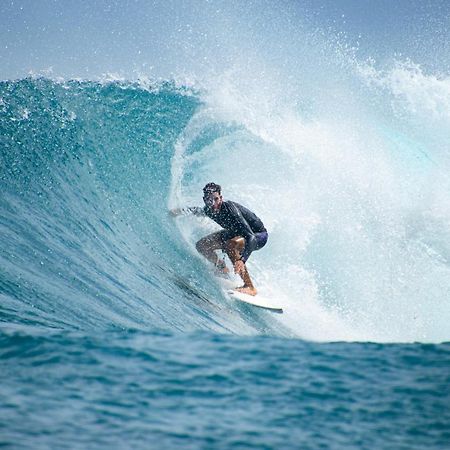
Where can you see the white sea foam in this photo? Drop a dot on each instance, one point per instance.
(355, 203)
(422, 94)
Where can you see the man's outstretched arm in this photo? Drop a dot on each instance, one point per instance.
(195, 210)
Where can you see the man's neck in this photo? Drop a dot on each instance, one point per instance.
(217, 211)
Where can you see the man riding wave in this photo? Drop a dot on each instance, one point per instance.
(242, 233)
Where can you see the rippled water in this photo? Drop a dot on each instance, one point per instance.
(202, 390)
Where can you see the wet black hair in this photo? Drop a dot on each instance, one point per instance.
(210, 188)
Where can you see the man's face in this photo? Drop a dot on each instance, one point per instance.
(213, 200)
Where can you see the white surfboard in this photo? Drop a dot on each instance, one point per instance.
(257, 300)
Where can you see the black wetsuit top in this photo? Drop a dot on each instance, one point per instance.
(236, 219)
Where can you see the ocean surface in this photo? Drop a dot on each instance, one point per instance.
(114, 333)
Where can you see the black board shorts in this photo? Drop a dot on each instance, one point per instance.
(261, 238)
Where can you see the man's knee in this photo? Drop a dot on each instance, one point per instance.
(236, 244)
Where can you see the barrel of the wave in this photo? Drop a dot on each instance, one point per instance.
(242, 233)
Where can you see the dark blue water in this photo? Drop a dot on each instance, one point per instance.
(202, 390)
(114, 333)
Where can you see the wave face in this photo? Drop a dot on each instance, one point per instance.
(354, 194)
(86, 239)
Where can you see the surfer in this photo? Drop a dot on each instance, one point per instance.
(243, 232)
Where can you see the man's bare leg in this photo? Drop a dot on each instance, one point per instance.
(234, 248)
(207, 247)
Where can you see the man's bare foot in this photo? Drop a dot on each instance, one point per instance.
(247, 290)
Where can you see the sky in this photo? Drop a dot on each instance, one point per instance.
(130, 38)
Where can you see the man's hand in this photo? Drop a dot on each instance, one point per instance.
(239, 266)
(174, 212)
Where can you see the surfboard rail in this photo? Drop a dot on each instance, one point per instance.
(257, 300)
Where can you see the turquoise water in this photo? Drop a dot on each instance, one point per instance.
(115, 333)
